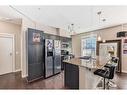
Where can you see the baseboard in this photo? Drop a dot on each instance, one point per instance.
(23, 76)
(124, 71)
(18, 70)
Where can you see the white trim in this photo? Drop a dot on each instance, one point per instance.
(24, 76)
(123, 71)
(17, 70)
(13, 42)
(88, 35)
(23, 54)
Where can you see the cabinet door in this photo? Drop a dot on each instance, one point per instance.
(71, 76)
(35, 54)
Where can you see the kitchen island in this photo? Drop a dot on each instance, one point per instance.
(78, 74)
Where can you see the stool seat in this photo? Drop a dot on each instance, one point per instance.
(102, 73)
(107, 65)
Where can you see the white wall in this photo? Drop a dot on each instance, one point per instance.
(10, 28)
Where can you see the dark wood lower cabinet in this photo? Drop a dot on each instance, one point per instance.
(71, 76)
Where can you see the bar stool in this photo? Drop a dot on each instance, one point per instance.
(114, 62)
(109, 70)
(106, 73)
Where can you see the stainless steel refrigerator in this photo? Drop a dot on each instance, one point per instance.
(52, 57)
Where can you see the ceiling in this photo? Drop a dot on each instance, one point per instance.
(84, 18)
(9, 15)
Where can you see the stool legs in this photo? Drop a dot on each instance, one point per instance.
(104, 83)
(108, 83)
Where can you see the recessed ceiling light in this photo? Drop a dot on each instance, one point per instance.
(39, 8)
(99, 12)
(103, 19)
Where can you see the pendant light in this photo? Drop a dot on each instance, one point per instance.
(103, 41)
(99, 37)
(71, 28)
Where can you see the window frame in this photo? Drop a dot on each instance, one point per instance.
(88, 36)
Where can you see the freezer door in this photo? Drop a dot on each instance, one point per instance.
(57, 56)
(48, 57)
(49, 66)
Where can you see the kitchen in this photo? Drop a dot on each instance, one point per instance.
(61, 53)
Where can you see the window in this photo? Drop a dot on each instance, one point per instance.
(89, 46)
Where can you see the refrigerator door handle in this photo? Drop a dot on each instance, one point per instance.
(53, 52)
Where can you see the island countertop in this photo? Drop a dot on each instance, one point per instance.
(84, 63)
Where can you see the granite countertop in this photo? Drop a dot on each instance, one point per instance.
(84, 63)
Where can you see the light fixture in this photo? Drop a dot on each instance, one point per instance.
(99, 37)
(103, 19)
(103, 41)
(39, 8)
(71, 28)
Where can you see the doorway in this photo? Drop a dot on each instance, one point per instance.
(7, 55)
(107, 49)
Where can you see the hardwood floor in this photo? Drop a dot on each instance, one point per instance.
(14, 81)
(121, 80)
